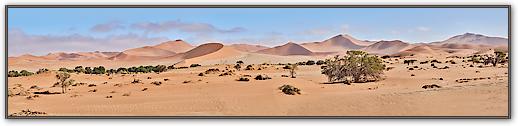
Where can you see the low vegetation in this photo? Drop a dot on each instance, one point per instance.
(356, 66)
(289, 90)
(14, 73)
(64, 81)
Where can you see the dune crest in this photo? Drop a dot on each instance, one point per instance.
(177, 46)
(289, 48)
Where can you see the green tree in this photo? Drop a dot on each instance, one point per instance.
(13, 73)
(64, 81)
(79, 69)
(88, 70)
(160, 68)
(25, 73)
(358, 66)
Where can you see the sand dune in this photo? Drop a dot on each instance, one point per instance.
(142, 52)
(387, 47)
(247, 47)
(177, 46)
(337, 43)
(216, 57)
(422, 50)
(287, 49)
(202, 50)
(477, 39)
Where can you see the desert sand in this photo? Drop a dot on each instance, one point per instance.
(464, 90)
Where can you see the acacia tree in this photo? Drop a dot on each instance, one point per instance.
(499, 57)
(356, 66)
(64, 81)
(293, 67)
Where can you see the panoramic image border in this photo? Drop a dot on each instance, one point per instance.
(7, 7)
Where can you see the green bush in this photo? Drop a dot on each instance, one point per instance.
(357, 65)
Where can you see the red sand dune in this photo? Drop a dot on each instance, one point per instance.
(287, 49)
(146, 51)
(387, 47)
(247, 47)
(177, 46)
(336, 44)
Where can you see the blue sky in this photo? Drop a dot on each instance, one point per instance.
(42, 30)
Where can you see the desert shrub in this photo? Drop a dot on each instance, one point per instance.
(287, 67)
(79, 69)
(135, 81)
(356, 65)
(237, 66)
(239, 62)
(321, 62)
(431, 86)
(160, 68)
(249, 67)
(171, 67)
(310, 62)
(201, 74)
(88, 70)
(66, 70)
(13, 73)
(195, 65)
(157, 83)
(292, 70)
(122, 71)
(289, 90)
(212, 71)
(435, 61)
(64, 81)
(43, 70)
(226, 73)
(132, 70)
(99, 70)
(385, 57)
(243, 79)
(408, 62)
(262, 77)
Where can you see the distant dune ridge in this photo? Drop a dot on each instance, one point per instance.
(386, 47)
(336, 44)
(177, 46)
(248, 48)
(181, 52)
(289, 48)
(475, 39)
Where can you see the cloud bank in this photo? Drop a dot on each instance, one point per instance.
(20, 43)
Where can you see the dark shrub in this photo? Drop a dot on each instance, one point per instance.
(262, 77)
(195, 65)
(289, 90)
(320, 62)
(243, 79)
(310, 62)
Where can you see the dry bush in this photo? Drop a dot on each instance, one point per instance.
(289, 90)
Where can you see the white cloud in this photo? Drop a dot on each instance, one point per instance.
(20, 42)
(200, 28)
(107, 27)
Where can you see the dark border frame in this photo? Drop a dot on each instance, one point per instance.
(508, 7)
